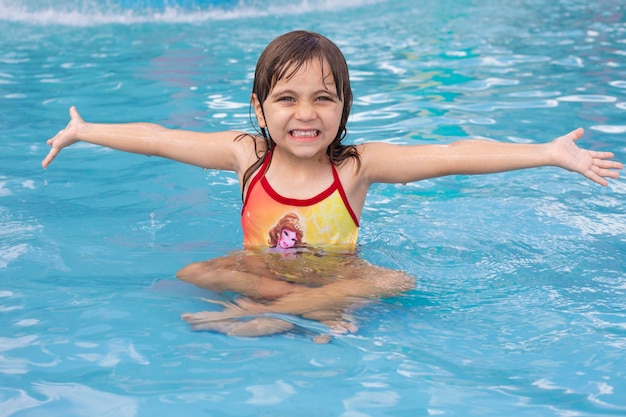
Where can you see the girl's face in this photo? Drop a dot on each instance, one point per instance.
(288, 239)
(302, 113)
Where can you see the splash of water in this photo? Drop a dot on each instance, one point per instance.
(100, 12)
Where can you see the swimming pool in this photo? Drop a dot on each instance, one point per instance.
(519, 307)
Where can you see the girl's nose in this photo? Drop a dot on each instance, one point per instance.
(305, 111)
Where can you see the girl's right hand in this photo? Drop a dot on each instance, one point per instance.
(65, 137)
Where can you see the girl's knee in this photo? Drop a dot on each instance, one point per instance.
(405, 282)
(395, 282)
(189, 272)
(201, 270)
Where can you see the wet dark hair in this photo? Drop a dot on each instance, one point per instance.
(281, 59)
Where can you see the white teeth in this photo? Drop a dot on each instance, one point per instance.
(305, 133)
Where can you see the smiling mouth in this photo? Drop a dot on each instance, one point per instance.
(304, 134)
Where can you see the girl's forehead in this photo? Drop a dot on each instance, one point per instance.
(317, 68)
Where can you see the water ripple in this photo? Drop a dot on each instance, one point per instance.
(498, 105)
(588, 98)
(613, 129)
(479, 85)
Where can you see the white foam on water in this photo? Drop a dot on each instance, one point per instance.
(103, 12)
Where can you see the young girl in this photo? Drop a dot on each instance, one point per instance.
(298, 170)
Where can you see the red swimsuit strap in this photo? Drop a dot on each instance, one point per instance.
(344, 197)
(257, 177)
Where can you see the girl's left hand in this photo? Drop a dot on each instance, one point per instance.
(594, 165)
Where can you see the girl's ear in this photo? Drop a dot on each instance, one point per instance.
(258, 111)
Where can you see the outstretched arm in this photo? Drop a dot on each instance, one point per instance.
(208, 150)
(401, 164)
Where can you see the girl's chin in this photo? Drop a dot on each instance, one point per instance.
(304, 150)
(305, 140)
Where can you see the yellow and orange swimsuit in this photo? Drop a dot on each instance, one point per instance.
(324, 221)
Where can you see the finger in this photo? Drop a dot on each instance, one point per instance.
(199, 317)
(575, 134)
(604, 164)
(598, 175)
(605, 173)
(597, 179)
(51, 155)
(601, 155)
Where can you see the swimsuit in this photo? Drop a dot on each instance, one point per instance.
(325, 220)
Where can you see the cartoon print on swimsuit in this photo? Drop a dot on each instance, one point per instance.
(287, 233)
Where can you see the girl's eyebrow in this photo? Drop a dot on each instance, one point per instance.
(279, 92)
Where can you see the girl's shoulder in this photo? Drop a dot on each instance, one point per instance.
(376, 160)
(251, 147)
(359, 156)
(350, 168)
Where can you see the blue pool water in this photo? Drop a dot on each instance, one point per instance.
(520, 303)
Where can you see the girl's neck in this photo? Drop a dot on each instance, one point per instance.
(288, 162)
(299, 177)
